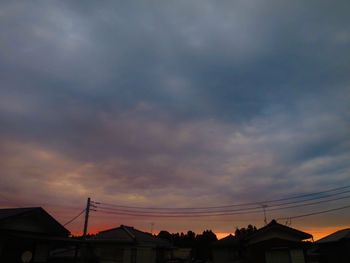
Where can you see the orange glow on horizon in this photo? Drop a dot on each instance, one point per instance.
(221, 235)
(92, 229)
(317, 233)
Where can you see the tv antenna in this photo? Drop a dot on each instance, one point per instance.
(264, 209)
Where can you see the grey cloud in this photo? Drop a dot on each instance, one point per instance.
(189, 100)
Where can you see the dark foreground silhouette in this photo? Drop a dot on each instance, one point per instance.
(33, 235)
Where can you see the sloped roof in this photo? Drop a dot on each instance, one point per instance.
(128, 234)
(117, 234)
(228, 241)
(336, 236)
(273, 225)
(8, 215)
(233, 241)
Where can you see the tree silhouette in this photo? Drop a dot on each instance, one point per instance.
(244, 232)
(200, 244)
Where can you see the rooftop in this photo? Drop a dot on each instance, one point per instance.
(128, 234)
(34, 216)
(335, 237)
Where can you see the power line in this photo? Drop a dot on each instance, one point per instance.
(315, 213)
(281, 205)
(71, 220)
(315, 198)
(259, 203)
(209, 214)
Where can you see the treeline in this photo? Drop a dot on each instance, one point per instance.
(201, 243)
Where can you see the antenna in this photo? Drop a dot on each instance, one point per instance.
(289, 221)
(152, 225)
(264, 209)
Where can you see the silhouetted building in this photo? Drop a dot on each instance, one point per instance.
(29, 234)
(335, 248)
(126, 244)
(228, 250)
(273, 243)
(182, 255)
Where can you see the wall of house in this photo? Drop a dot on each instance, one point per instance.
(297, 255)
(66, 253)
(225, 255)
(278, 256)
(254, 254)
(182, 253)
(275, 235)
(111, 253)
(163, 255)
(276, 250)
(129, 255)
(13, 249)
(285, 256)
(41, 252)
(338, 252)
(146, 255)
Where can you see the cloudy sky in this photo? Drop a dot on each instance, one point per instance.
(174, 104)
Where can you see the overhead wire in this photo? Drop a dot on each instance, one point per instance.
(296, 201)
(74, 218)
(206, 214)
(315, 213)
(257, 203)
(282, 205)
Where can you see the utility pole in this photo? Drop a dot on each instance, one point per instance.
(87, 211)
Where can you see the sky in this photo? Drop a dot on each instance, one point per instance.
(174, 104)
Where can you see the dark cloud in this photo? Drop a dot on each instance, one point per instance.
(181, 102)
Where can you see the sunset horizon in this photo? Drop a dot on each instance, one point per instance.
(177, 115)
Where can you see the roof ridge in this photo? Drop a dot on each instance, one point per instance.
(107, 230)
(335, 236)
(125, 228)
(19, 208)
(14, 212)
(275, 223)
